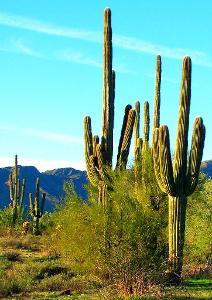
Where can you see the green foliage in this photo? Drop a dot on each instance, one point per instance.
(123, 242)
(198, 246)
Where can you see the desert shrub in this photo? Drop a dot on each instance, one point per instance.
(198, 246)
(12, 256)
(6, 219)
(122, 242)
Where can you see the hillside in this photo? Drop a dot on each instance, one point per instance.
(51, 182)
(207, 167)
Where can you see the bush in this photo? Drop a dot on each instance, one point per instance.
(121, 243)
(198, 246)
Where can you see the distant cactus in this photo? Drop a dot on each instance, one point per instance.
(36, 210)
(99, 156)
(178, 178)
(16, 192)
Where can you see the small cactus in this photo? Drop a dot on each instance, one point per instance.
(16, 192)
(36, 210)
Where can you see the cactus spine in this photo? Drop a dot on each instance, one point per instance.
(98, 156)
(178, 178)
(36, 210)
(16, 192)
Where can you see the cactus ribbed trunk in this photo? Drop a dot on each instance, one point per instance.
(108, 91)
(177, 212)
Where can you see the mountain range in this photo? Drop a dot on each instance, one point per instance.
(52, 183)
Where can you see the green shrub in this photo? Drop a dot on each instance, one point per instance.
(122, 243)
(198, 246)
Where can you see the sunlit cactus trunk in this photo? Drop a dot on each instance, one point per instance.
(108, 91)
(98, 155)
(178, 178)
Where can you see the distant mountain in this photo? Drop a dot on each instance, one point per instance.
(51, 182)
(207, 167)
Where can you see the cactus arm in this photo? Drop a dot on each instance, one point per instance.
(37, 188)
(90, 159)
(124, 124)
(180, 155)
(88, 139)
(146, 124)
(95, 143)
(166, 170)
(156, 160)
(42, 204)
(195, 157)
(92, 171)
(108, 90)
(31, 204)
(125, 147)
(11, 188)
(100, 160)
(22, 192)
(137, 122)
(18, 190)
(156, 122)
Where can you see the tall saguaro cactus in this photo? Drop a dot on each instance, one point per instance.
(178, 178)
(108, 90)
(36, 210)
(98, 155)
(16, 192)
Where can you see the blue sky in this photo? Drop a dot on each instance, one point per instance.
(51, 71)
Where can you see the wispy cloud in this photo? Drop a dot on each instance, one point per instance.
(19, 47)
(134, 44)
(120, 41)
(77, 57)
(22, 48)
(41, 164)
(21, 22)
(43, 134)
(81, 58)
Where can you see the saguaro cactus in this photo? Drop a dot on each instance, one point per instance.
(16, 192)
(178, 178)
(36, 210)
(99, 156)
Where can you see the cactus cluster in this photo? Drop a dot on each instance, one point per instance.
(99, 154)
(141, 145)
(17, 191)
(36, 209)
(178, 177)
